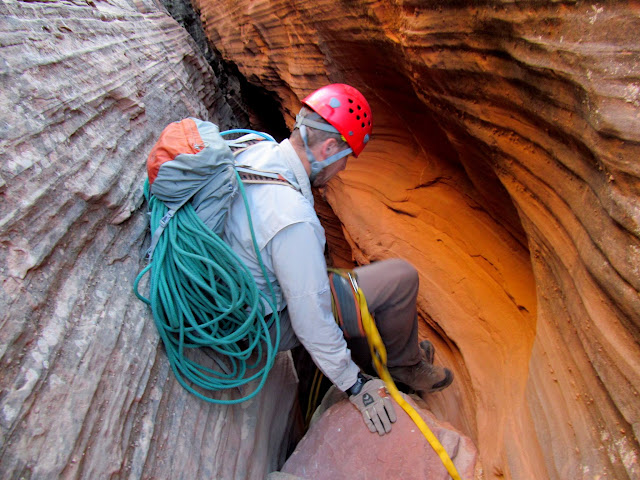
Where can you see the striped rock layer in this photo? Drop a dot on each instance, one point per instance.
(503, 165)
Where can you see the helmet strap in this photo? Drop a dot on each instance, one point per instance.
(316, 166)
(327, 127)
(310, 156)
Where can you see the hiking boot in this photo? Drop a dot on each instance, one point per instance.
(429, 351)
(423, 377)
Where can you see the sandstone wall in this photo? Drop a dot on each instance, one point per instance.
(85, 391)
(504, 165)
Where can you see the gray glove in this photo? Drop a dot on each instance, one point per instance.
(373, 401)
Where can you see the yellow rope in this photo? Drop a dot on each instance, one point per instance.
(379, 355)
(313, 396)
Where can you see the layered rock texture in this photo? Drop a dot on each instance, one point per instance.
(86, 392)
(503, 166)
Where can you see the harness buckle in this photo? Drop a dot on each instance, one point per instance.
(165, 220)
(354, 282)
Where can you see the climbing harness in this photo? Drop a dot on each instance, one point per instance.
(352, 314)
(345, 303)
(200, 292)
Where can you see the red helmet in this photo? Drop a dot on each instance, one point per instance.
(347, 110)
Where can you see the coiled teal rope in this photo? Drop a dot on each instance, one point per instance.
(202, 295)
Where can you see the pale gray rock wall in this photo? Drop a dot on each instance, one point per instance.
(85, 390)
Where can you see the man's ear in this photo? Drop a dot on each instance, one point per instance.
(329, 147)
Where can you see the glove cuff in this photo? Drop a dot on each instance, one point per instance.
(356, 388)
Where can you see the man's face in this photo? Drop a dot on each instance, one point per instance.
(328, 173)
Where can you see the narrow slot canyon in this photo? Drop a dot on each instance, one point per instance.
(503, 165)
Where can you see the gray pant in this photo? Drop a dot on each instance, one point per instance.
(391, 288)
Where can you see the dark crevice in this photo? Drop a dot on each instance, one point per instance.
(431, 183)
(251, 106)
(401, 212)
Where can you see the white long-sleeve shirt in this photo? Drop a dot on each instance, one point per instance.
(291, 241)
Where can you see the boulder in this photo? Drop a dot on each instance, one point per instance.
(340, 445)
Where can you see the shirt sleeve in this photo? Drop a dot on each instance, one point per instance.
(298, 261)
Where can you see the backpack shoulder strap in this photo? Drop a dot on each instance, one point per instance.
(250, 175)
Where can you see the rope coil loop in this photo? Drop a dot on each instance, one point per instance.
(202, 295)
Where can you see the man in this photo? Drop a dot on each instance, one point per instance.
(335, 121)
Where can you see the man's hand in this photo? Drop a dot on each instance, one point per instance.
(373, 401)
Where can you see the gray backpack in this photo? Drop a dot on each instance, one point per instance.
(200, 292)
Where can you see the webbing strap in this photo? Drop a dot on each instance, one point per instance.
(249, 176)
(156, 235)
(300, 120)
(316, 166)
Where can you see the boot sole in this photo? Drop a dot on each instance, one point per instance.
(441, 385)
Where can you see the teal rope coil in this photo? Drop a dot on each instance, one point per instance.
(202, 295)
